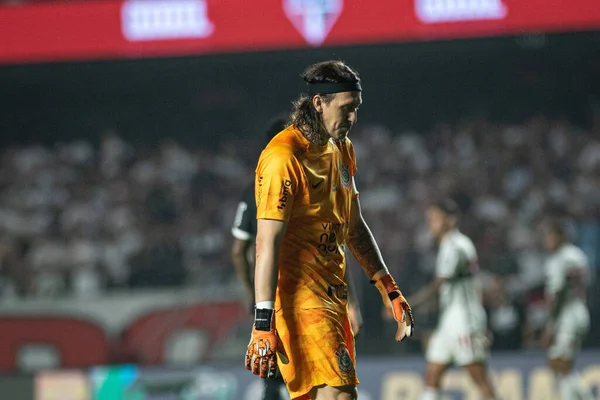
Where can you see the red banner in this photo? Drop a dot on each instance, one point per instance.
(149, 28)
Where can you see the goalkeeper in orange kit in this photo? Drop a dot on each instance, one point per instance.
(308, 214)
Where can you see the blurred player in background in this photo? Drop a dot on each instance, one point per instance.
(244, 234)
(308, 213)
(244, 225)
(567, 279)
(460, 336)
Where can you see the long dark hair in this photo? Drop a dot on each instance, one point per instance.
(304, 116)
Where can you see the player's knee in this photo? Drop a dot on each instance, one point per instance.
(486, 389)
(560, 366)
(482, 379)
(478, 373)
(433, 375)
(347, 393)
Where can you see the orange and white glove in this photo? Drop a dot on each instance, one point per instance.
(395, 302)
(264, 346)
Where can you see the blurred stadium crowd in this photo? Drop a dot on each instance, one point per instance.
(81, 219)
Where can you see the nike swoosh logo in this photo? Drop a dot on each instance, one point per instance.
(316, 185)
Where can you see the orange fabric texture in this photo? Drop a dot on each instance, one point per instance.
(312, 188)
(320, 347)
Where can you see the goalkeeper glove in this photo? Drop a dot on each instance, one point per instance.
(264, 346)
(397, 304)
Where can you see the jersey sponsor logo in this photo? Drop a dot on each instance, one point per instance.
(328, 239)
(259, 191)
(437, 11)
(316, 185)
(329, 226)
(344, 361)
(328, 243)
(313, 18)
(345, 175)
(340, 291)
(143, 20)
(284, 194)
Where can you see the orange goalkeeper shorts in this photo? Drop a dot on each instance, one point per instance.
(320, 346)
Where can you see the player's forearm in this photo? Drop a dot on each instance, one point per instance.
(426, 293)
(242, 270)
(239, 257)
(423, 295)
(266, 271)
(364, 248)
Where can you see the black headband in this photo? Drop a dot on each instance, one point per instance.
(329, 88)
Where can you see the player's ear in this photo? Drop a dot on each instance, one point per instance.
(317, 102)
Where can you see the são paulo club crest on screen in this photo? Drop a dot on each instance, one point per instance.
(314, 19)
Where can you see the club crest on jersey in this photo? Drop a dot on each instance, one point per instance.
(345, 176)
(344, 361)
(313, 18)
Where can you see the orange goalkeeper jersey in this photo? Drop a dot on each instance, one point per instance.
(312, 188)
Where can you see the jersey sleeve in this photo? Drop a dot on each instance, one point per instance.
(353, 167)
(244, 223)
(578, 260)
(447, 262)
(577, 273)
(278, 181)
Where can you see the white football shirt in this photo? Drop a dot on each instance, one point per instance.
(460, 294)
(568, 275)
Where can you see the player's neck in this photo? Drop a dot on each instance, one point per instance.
(446, 234)
(318, 139)
(559, 247)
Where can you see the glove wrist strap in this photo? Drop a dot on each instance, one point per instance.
(263, 319)
(266, 304)
(386, 284)
(379, 274)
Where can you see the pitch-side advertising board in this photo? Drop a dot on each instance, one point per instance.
(112, 29)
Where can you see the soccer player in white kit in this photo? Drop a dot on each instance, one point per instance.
(460, 336)
(567, 280)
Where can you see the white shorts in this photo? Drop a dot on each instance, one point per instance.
(572, 326)
(446, 347)
(564, 346)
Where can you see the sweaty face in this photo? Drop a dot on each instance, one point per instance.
(436, 222)
(341, 113)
